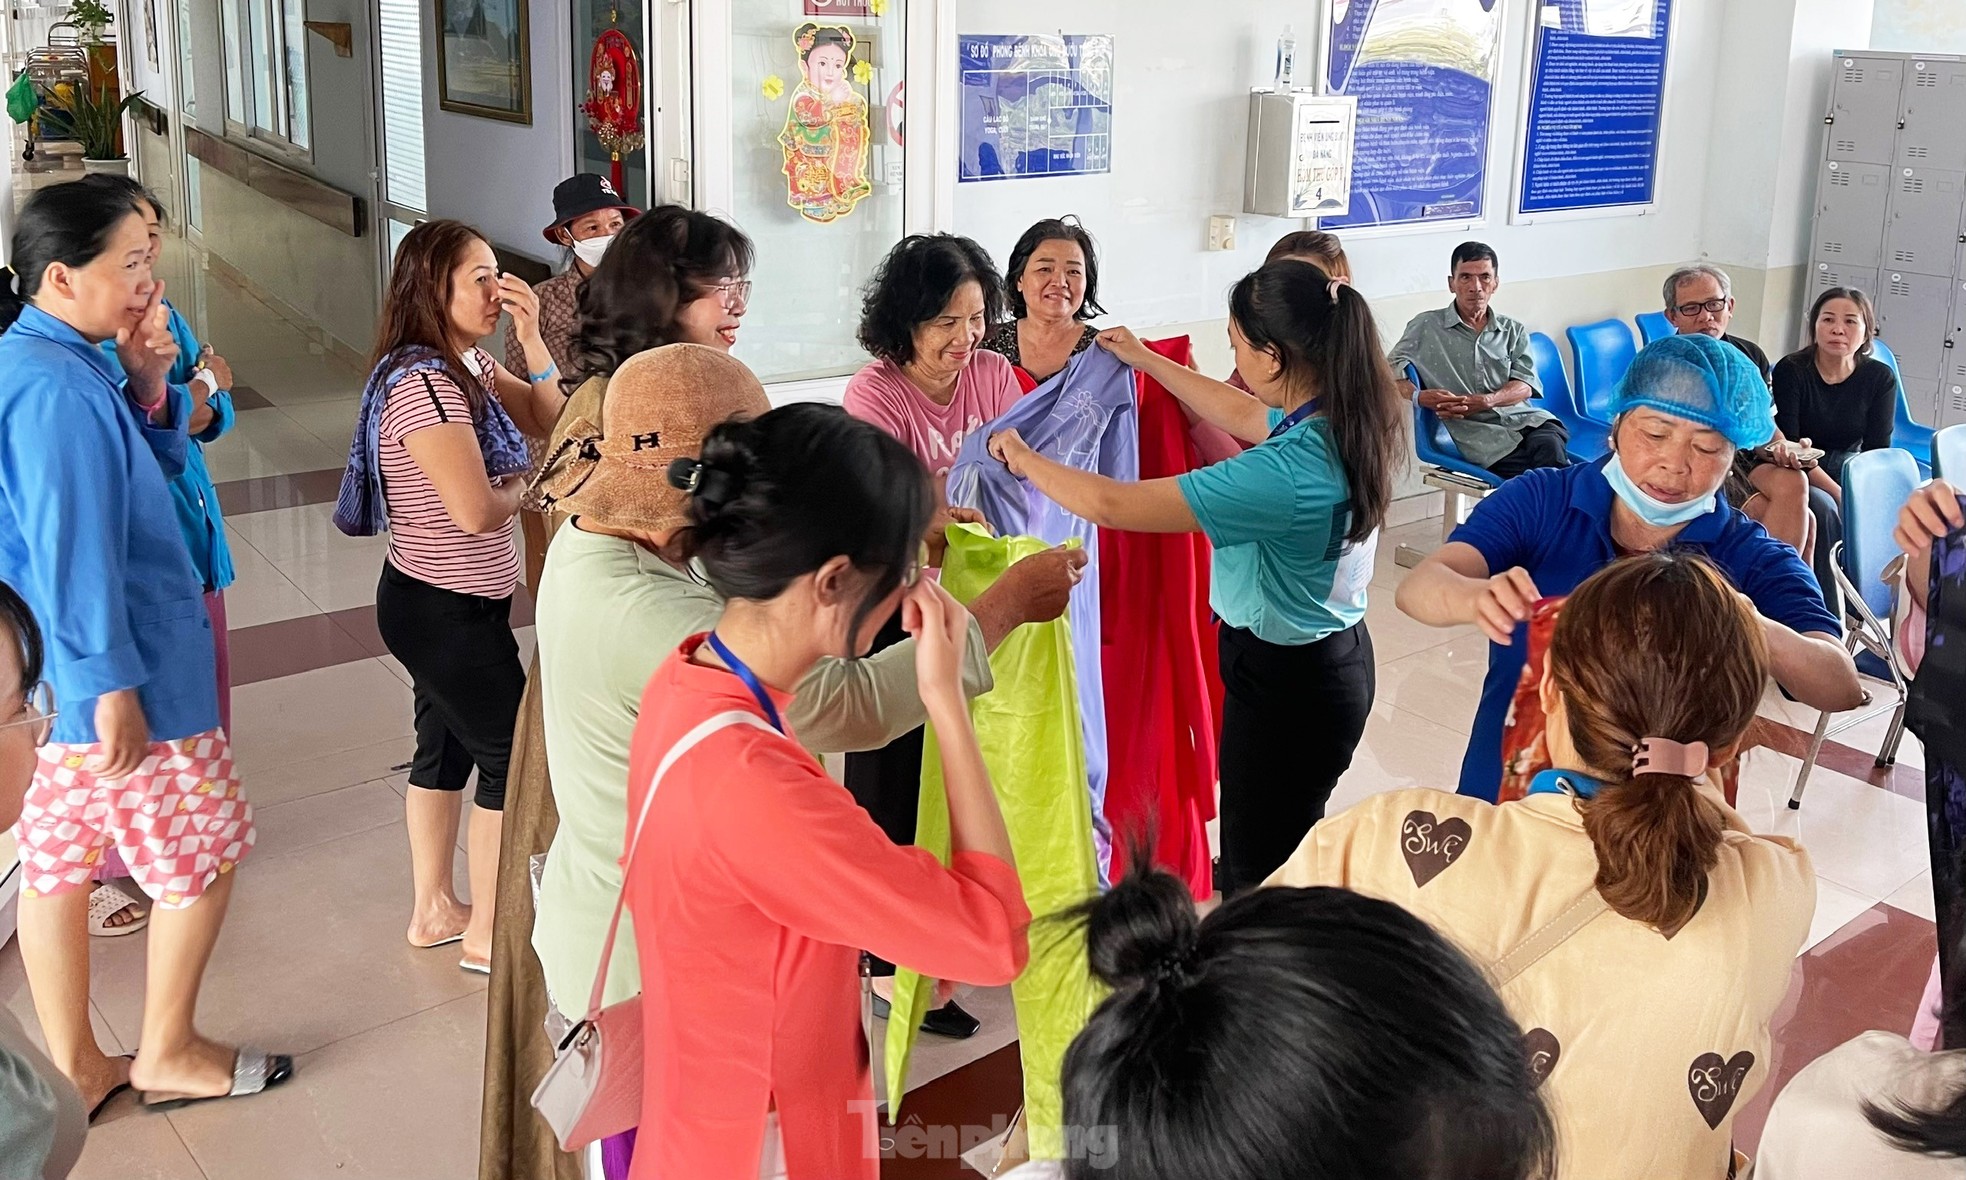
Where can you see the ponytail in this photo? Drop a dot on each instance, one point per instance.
(67, 223)
(1656, 647)
(1321, 331)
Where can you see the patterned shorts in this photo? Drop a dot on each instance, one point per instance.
(178, 822)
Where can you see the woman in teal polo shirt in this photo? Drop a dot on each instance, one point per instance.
(1294, 522)
(1682, 410)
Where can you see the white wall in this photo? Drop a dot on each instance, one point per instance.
(137, 74)
(1919, 26)
(1179, 124)
(499, 176)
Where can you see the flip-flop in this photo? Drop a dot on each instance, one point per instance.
(253, 1071)
(105, 902)
(118, 1088)
(431, 946)
(475, 968)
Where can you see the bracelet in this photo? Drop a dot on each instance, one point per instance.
(551, 369)
(150, 408)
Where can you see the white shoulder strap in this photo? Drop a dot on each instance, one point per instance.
(684, 745)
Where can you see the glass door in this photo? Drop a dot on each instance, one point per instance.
(399, 138)
(798, 134)
(610, 94)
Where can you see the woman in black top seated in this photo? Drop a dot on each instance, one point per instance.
(1053, 284)
(1835, 395)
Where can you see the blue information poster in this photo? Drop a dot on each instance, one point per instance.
(1424, 75)
(1596, 91)
(1039, 105)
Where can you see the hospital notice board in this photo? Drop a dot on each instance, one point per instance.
(1595, 108)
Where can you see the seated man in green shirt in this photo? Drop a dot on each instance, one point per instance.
(1476, 373)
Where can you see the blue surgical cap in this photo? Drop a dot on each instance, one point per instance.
(1702, 380)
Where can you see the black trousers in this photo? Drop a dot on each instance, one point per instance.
(464, 666)
(1544, 445)
(1291, 718)
(887, 782)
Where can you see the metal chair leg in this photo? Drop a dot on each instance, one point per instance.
(1809, 763)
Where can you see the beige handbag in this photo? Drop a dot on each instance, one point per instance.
(593, 1089)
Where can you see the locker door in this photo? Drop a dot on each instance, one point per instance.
(1914, 314)
(1837, 274)
(1851, 205)
(1952, 405)
(1865, 98)
(1954, 371)
(1934, 135)
(1922, 232)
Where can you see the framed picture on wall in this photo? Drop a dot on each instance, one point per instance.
(484, 60)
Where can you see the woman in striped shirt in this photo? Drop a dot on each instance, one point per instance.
(444, 601)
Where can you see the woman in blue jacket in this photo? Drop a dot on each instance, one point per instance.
(138, 761)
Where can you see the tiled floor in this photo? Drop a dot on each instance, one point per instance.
(389, 1039)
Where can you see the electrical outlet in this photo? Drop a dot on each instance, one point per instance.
(1221, 233)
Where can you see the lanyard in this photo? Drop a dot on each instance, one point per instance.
(1564, 782)
(1297, 415)
(743, 672)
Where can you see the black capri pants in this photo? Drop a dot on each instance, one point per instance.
(1291, 717)
(464, 666)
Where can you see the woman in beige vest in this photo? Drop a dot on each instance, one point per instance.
(1641, 935)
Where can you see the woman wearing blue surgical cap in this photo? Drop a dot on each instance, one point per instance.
(1684, 407)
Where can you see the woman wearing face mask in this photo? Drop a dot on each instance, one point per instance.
(925, 315)
(1683, 408)
(42, 1120)
(90, 539)
(1642, 936)
(1053, 283)
(587, 215)
(760, 872)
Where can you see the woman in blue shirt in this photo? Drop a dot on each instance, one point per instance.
(1685, 406)
(207, 381)
(89, 538)
(1294, 522)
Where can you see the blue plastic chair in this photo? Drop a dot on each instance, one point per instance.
(1876, 485)
(1588, 440)
(1653, 325)
(1909, 433)
(1433, 445)
(1603, 351)
(1949, 453)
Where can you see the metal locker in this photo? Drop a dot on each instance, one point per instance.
(1954, 369)
(1851, 205)
(1952, 405)
(1836, 274)
(1922, 232)
(1914, 315)
(1865, 99)
(1933, 133)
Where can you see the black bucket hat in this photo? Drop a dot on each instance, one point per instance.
(577, 196)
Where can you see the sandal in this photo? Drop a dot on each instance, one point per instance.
(253, 1071)
(106, 1099)
(106, 902)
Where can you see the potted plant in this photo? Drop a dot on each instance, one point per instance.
(95, 118)
(90, 17)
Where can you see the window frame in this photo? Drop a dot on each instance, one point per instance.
(278, 53)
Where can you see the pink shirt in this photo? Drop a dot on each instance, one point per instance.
(883, 395)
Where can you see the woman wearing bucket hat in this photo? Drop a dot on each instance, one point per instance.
(614, 603)
(1685, 406)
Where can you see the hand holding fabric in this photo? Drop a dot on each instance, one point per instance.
(1497, 604)
(940, 627)
(1009, 448)
(1123, 344)
(1039, 587)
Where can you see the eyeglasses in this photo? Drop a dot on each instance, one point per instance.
(37, 710)
(735, 293)
(1711, 307)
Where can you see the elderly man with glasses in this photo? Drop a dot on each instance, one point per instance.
(1769, 483)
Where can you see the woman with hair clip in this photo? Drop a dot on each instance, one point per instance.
(42, 1119)
(1631, 921)
(89, 537)
(762, 873)
(439, 461)
(1342, 1021)
(1294, 522)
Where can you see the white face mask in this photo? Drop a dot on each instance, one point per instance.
(589, 250)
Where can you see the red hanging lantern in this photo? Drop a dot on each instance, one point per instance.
(614, 98)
